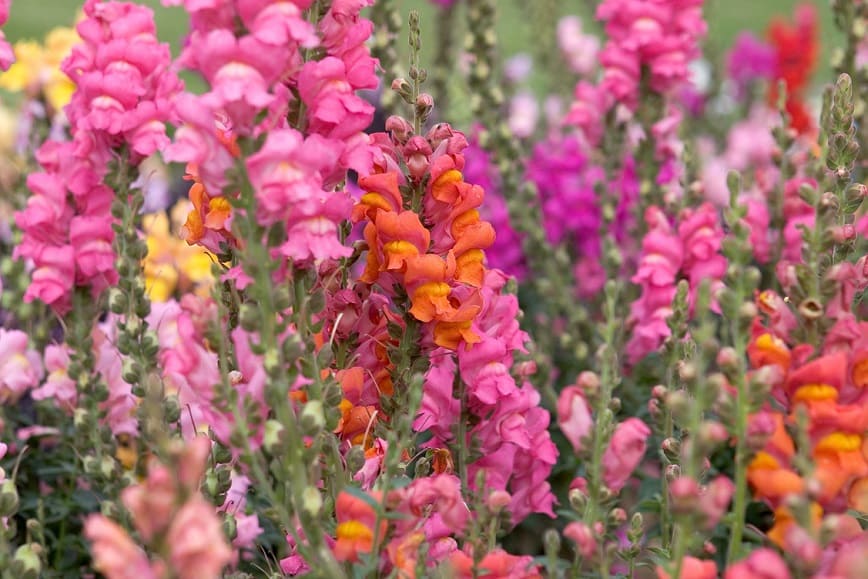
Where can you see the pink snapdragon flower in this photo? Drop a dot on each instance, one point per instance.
(662, 257)
(574, 416)
(278, 23)
(583, 537)
(760, 564)
(197, 546)
(287, 175)
(517, 451)
(658, 35)
(115, 554)
(625, 452)
(124, 84)
(20, 366)
(701, 236)
(240, 72)
(123, 89)
(7, 56)
(58, 385)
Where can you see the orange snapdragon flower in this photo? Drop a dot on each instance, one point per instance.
(381, 194)
(784, 519)
(767, 349)
(207, 222)
(357, 525)
(771, 480)
(819, 380)
(839, 459)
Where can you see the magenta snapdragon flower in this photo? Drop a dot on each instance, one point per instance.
(750, 60)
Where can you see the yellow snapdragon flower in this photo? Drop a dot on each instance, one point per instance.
(37, 67)
(171, 264)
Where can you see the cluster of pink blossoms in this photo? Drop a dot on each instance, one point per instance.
(691, 252)
(261, 69)
(124, 88)
(181, 529)
(658, 35)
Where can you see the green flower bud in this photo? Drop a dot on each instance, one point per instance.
(355, 459)
(27, 563)
(130, 371)
(249, 317)
(274, 437)
(230, 527)
(8, 499)
(311, 501)
(172, 408)
(312, 418)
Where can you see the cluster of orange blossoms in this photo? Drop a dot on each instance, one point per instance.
(441, 268)
(831, 392)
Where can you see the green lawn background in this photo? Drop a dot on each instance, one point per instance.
(30, 19)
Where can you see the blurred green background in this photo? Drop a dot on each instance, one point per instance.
(30, 19)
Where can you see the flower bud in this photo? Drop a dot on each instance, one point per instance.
(355, 459)
(712, 433)
(552, 541)
(312, 418)
(311, 501)
(654, 409)
(748, 311)
(760, 428)
(589, 382)
(671, 449)
(273, 437)
(8, 499)
(577, 499)
(230, 526)
(708, 548)
(728, 359)
(172, 408)
(27, 564)
(399, 127)
(130, 371)
(249, 317)
(684, 494)
(117, 301)
(686, 371)
(583, 537)
(498, 500)
(677, 402)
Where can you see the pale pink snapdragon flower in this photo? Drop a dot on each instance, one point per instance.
(579, 49)
(115, 555)
(58, 385)
(197, 546)
(574, 416)
(625, 452)
(20, 366)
